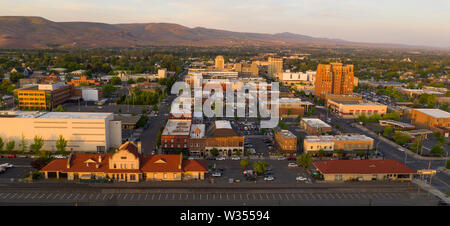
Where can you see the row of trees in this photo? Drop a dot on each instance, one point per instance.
(35, 147)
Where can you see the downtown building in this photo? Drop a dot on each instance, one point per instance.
(43, 96)
(350, 144)
(83, 131)
(334, 78)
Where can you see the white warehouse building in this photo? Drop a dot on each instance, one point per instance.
(84, 132)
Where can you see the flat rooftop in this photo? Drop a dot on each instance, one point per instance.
(223, 124)
(177, 127)
(347, 137)
(287, 134)
(357, 102)
(435, 113)
(54, 115)
(315, 122)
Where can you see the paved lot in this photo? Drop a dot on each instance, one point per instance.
(223, 198)
(280, 170)
(20, 169)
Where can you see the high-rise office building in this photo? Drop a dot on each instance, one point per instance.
(275, 67)
(334, 78)
(219, 62)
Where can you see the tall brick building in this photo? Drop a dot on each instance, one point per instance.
(334, 78)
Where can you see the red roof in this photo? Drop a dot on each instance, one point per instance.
(149, 163)
(362, 167)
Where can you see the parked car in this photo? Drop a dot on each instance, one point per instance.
(217, 174)
(2, 169)
(300, 178)
(250, 178)
(59, 156)
(281, 158)
(7, 165)
(291, 164)
(292, 159)
(11, 156)
(235, 158)
(220, 158)
(269, 178)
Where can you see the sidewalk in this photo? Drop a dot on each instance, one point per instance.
(432, 190)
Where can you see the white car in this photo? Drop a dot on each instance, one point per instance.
(220, 158)
(235, 158)
(59, 156)
(7, 165)
(300, 178)
(291, 164)
(281, 158)
(269, 178)
(217, 174)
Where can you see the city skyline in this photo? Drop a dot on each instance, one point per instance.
(400, 22)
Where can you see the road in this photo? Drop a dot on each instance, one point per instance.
(149, 136)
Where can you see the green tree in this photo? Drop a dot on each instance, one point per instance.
(448, 164)
(238, 153)
(388, 131)
(155, 108)
(59, 109)
(245, 163)
(437, 150)
(304, 160)
(108, 90)
(1, 144)
(116, 81)
(401, 138)
(61, 143)
(321, 152)
(15, 76)
(214, 152)
(10, 145)
(416, 146)
(38, 143)
(23, 144)
(260, 167)
(340, 153)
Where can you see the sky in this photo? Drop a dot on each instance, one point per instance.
(412, 22)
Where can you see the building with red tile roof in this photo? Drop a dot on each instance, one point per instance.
(126, 164)
(363, 170)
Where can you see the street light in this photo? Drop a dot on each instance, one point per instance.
(406, 155)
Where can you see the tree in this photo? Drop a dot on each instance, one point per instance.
(416, 146)
(142, 121)
(340, 152)
(59, 109)
(304, 160)
(23, 144)
(108, 90)
(321, 152)
(245, 163)
(38, 143)
(260, 167)
(401, 138)
(214, 152)
(131, 81)
(437, 150)
(448, 164)
(238, 153)
(155, 108)
(116, 81)
(10, 145)
(39, 163)
(61, 143)
(388, 131)
(1, 144)
(15, 76)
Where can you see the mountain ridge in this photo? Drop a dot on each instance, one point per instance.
(40, 33)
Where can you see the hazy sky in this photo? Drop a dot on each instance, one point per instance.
(416, 22)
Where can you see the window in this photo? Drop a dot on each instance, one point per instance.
(165, 175)
(123, 157)
(338, 177)
(115, 166)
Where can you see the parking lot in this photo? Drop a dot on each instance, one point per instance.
(18, 171)
(280, 171)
